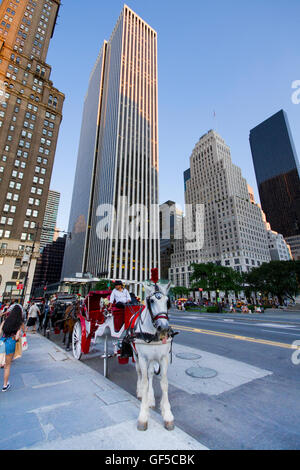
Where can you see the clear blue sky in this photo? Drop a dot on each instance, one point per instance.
(237, 58)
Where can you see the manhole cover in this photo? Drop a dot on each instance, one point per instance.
(201, 372)
(189, 356)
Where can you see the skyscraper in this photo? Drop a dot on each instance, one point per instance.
(117, 162)
(277, 173)
(170, 218)
(49, 264)
(49, 223)
(234, 231)
(30, 117)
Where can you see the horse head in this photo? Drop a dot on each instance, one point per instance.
(158, 304)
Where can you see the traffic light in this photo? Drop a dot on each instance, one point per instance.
(17, 283)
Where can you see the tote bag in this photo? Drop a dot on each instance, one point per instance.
(18, 350)
(24, 342)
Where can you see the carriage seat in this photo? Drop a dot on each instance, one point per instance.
(119, 317)
(124, 315)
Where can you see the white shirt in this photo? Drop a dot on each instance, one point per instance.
(120, 296)
(33, 311)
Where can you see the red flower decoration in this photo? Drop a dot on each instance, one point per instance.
(154, 275)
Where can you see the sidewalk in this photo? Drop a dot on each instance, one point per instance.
(58, 403)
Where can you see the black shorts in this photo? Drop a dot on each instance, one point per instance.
(31, 321)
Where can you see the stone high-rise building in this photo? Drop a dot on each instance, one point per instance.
(30, 117)
(117, 162)
(234, 231)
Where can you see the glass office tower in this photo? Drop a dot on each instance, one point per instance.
(117, 161)
(277, 173)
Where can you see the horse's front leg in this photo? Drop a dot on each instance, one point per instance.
(165, 404)
(151, 398)
(144, 410)
(139, 377)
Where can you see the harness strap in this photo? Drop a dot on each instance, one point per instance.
(161, 315)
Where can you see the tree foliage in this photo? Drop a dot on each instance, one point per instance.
(102, 284)
(278, 278)
(180, 291)
(213, 277)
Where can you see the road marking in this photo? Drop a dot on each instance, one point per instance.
(275, 326)
(233, 336)
(282, 333)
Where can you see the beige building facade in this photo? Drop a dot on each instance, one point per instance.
(234, 231)
(30, 117)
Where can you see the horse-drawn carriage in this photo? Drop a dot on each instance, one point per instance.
(96, 321)
(146, 332)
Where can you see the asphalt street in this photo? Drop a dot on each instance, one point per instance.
(251, 401)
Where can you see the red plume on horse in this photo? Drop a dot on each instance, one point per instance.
(154, 275)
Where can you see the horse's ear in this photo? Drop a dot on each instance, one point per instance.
(148, 288)
(165, 287)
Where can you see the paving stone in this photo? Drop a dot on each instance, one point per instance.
(111, 396)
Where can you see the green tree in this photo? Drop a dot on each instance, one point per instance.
(213, 277)
(278, 278)
(180, 291)
(103, 284)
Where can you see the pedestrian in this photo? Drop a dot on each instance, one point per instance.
(41, 308)
(10, 334)
(4, 311)
(33, 314)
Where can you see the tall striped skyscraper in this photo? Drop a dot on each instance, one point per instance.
(117, 161)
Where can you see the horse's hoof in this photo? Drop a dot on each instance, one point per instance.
(169, 425)
(142, 426)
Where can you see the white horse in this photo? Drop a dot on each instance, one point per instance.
(153, 337)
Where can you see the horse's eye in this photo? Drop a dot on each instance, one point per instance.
(152, 300)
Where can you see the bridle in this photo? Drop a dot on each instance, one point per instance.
(149, 300)
(132, 335)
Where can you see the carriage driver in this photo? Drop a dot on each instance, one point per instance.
(119, 295)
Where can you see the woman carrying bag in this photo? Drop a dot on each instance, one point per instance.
(10, 334)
